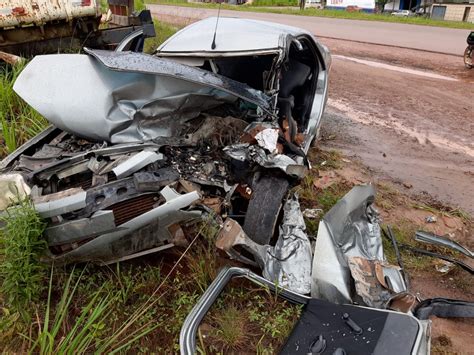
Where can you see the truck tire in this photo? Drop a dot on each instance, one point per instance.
(264, 208)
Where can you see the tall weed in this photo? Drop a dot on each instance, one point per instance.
(18, 121)
(21, 246)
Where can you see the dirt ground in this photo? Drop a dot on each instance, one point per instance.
(405, 118)
(416, 132)
(414, 128)
(449, 336)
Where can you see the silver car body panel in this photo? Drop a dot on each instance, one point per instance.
(136, 162)
(349, 232)
(288, 262)
(72, 231)
(136, 97)
(103, 247)
(61, 202)
(237, 37)
(234, 35)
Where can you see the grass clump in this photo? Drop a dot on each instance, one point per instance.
(444, 210)
(21, 246)
(326, 159)
(18, 121)
(247, 318)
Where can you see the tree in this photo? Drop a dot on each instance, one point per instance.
(380, 4)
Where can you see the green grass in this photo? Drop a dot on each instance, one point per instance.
(247, 319)
(325, 159)
(163, 31)
(139, 5)
(140, 307)
(444, 210)
(275, 3)
(324, 13)
(21, 247)
(19, 122)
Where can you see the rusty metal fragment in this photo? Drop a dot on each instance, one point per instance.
(367, 284)
(403, 302)
(10, 58)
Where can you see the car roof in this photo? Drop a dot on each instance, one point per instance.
(233, 35)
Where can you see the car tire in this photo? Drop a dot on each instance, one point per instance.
(264, 208)
(468, 56)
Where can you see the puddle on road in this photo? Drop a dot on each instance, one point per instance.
(395, 68)
(421, 137)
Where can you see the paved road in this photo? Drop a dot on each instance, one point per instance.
(437, 39)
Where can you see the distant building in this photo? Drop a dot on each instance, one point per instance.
(412, 5)
(353, 5)
(453, 10)
(450, 10)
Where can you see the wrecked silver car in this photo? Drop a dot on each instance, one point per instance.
(141, 145)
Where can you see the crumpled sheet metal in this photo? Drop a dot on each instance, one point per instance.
(127, 236)
(349, 232)
(288, 263)
(268, 139)
(257, 154)
(123, 97)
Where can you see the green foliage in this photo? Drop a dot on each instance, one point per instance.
(231, 328)
(404, 233)
(275, 3)
(104, 6)
(139, 5)
(163, 32)
(247, 318)
(18, 121)
(325, 159)
(21, 247)
(88, 330)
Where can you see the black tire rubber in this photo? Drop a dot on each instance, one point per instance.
(468, 57)
(264, 208)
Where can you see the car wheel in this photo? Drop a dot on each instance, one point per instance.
(468, 54)
(264, 208)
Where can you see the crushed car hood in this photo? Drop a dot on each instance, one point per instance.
(124, 97)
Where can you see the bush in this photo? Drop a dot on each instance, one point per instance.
(21, 246)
